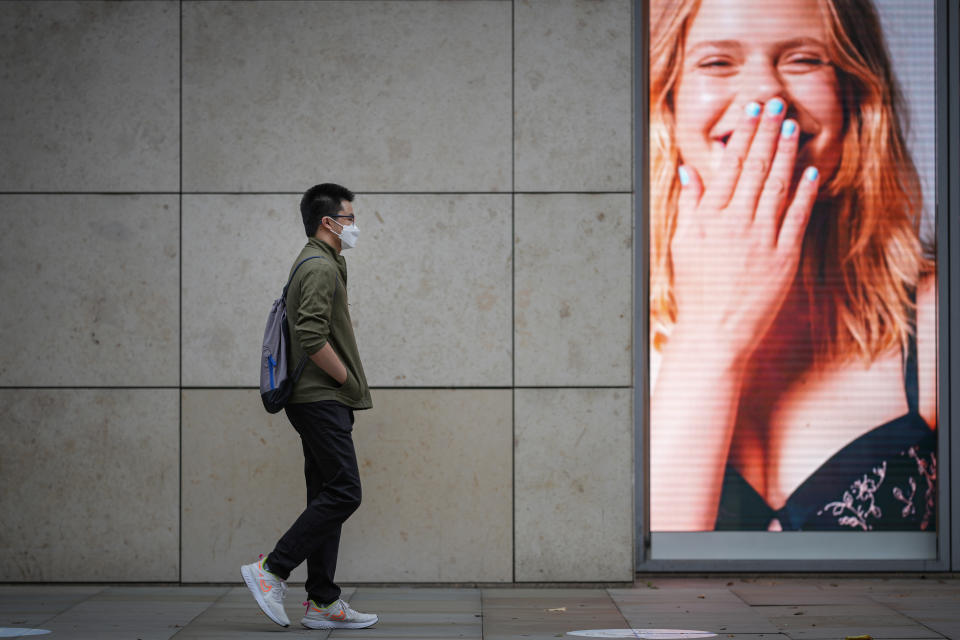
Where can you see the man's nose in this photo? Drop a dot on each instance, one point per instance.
(760, 81)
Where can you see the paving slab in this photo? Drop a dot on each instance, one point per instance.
(544, 614)
(918, 598)
(235, 614)
(408, 613)
(675, 595)
(32, 605)
(888, 609)
(707, 608)
(935, 609)
(714, 622)
(892, 586)
(795, 594)
(144, 613)
(833, 621)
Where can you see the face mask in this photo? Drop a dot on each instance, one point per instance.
(348, 236)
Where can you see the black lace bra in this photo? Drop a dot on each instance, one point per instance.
(885, 480)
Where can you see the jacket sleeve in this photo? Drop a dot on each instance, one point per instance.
(317, 289)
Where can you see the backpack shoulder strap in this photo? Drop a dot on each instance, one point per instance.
(294, 272)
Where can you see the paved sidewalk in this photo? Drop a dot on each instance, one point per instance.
(730, 607)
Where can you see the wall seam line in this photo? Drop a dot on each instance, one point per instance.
(513, 288)
(180, 330)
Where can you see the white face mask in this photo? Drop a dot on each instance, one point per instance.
(348, 236)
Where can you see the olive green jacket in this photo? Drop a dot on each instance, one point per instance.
(317, 313)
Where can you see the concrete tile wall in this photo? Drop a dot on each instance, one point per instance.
(421, 453)
(383, 96)
(573, 481)
(237, 251)
(572, 80)
(430, 290)
(90, 289)
(573, 305)
(456, 293)
(155, 153)
(242, 482)
(90, 484)
(91, 96)
(436, 468)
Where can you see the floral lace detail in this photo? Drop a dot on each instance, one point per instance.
(859, 502)
(909, 508)
(927, 470)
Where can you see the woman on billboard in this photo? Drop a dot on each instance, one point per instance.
(793, 322)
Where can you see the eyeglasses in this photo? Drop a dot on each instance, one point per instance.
(349, 217)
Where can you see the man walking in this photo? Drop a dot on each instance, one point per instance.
(321, 408)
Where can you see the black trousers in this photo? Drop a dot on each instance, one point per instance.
(333, 494)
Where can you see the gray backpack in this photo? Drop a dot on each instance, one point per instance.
(276, 379)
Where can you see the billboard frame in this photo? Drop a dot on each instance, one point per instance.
(947, 27)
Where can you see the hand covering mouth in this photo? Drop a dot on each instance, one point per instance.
(805, 137)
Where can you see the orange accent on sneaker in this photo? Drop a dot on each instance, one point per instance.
(342, 615)
(266, 588)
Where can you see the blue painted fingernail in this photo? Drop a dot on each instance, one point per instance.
(753, 109)
(774, 107)
(684, 176)
(788, 129)
(812, 174)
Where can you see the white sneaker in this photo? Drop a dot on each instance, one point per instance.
(338, 615)
(268, 590)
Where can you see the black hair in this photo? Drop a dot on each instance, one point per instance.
(321, 201)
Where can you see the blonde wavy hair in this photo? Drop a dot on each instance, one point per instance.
(862, 256)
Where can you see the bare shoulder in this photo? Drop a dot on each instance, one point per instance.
(927, 348)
